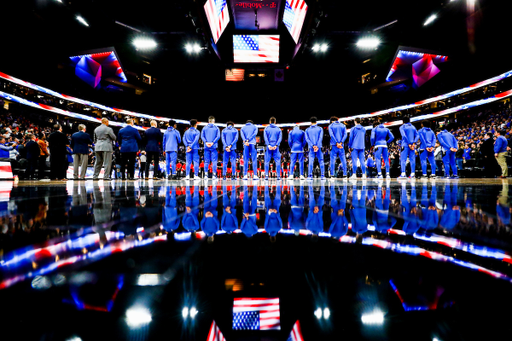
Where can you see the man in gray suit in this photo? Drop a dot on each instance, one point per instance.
(103, 138)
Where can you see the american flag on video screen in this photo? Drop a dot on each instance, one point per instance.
(296, 333)
(215, 333)
(293, 17)
(217, 14)
(256, 314)
(256, 48)
(235, 75)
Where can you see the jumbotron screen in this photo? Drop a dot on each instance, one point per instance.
(255, 48)
(293, 17)
(217, 13)
(251, 313)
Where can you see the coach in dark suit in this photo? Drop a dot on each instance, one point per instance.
(129, 139)
(153, 142)
(32, 154)
(80, 142)
(58, 142)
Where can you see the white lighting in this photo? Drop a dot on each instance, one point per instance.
(320, 47)
(430, 19)
(327, 313)
(82, 20)
(136, 317)
(368, 43)
(144, 43)
(318, 313)
(193, 312)
(185, 312)
(193, 48)
(376, 317)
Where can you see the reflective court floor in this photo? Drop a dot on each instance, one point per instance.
(180, 260)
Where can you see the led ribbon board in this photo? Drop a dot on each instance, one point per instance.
(291, 124)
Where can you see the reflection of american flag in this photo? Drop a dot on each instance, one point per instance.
(215, 333)
(235, 75)
(293, 17)
(217, 14)
(256, 314)
(256, 48)
(296, 334)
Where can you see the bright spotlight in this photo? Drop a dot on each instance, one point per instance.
(430, 19)
(185, 312)
(144, 43)
(327, 313)
(368, 43)
(193, 48)
(318, 313)
(376, 317)
(82, 20)
(320, 47)
(193, 312)
(137, 317)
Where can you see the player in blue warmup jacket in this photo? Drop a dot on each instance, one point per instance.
(409, 138)
(190, 219)
(356, 143)
(210, 136)
(248, 134)
(296, 220)
(229, 222)
(297, 141)
(380, 139)
(273, 222)
(314, 138)
(449, 146)
(315, 219)
(427, 148)
(191, 142)
(338, 134)
(273, 137)
(229, 141)
(171, 141)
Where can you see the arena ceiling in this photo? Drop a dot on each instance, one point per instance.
(41, 35)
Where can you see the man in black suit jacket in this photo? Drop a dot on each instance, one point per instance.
(32, 154)
(80, 142)
(58, 153)
(153, 141)
(491, 167)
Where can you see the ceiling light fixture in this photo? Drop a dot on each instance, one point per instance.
(82, 20)
(144, 43)
(368, 43)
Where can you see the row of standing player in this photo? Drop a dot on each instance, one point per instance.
(313, 137)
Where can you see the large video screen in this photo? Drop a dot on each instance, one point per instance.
(251, 313)
(293, 17)
(217, 14)
(256, 48)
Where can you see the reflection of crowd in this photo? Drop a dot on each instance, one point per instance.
(352, 209)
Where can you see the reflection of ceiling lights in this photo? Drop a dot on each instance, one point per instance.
(374, 318)
(137, 317)
(193, 48)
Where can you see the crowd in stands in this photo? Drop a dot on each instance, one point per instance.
(19, 125)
